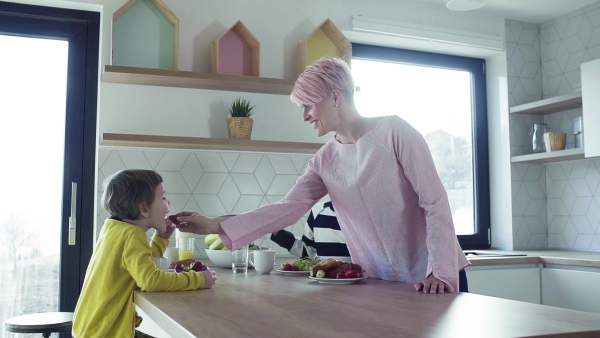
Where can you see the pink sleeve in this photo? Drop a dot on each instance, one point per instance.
(419, 168)
(249, 226)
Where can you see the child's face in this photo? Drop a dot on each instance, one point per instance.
(159, 209)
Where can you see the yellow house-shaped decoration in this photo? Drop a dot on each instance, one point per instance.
(237, 52)
(326, 40)
(145, 33)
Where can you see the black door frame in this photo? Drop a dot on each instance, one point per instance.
(82, 30)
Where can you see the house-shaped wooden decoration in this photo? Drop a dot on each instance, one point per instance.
(145, 33)
(326, 40)
(237, 52)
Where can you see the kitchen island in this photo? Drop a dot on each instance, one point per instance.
(277, 305)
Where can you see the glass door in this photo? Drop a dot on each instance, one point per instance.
(48, 93)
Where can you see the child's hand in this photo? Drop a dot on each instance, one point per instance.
(170, 229)
(210, 277)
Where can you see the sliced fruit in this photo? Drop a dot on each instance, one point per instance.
(173, 219)
(320, 274)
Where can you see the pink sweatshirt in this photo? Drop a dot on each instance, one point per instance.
(389, 200)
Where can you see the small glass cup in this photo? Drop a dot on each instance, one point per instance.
(239, 260)
(186, 248)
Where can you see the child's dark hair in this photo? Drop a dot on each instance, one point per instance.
(127, 189)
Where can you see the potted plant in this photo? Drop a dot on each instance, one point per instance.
(239, 124)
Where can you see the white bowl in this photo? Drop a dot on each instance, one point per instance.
(221, 258)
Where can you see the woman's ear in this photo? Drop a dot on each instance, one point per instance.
(337, 96)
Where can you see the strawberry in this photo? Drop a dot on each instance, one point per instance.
(198, 266)
(295, 268)
(287, 267)
(173, 219)
(179, 267)
(351, 274)
(340, 275)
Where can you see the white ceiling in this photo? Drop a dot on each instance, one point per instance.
(536, 11)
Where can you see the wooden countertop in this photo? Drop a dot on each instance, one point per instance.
(277, 305)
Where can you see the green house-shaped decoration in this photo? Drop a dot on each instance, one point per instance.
(237, 52)
(326, 40)
(145, 33)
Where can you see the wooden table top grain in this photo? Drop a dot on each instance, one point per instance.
(277, 305)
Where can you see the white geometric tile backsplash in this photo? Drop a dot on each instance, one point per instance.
(557, 205)
(213, 183)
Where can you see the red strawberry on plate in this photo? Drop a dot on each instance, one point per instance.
(351, 274)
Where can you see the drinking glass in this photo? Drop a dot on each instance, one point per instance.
(239, 260)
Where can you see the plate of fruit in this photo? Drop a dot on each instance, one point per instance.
(333, 271)
(300, 266)
(187, 265)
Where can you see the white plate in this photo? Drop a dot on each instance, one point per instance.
(293, 273)
(338, 280)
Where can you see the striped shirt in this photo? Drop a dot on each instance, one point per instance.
(322, 236)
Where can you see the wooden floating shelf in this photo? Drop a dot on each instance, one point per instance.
(187, 79)
(180, 142)
(550, 105)
(553, 156)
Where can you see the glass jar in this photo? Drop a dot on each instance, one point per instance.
(537, 132)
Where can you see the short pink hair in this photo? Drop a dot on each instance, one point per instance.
(317, 81)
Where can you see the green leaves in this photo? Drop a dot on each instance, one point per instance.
(241, 107)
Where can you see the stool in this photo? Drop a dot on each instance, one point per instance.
(45, 323)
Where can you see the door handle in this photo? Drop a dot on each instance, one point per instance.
(73, 217)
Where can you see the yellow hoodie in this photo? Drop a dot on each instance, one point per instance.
(122, 262)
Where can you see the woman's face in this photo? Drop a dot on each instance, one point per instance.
(319, 116)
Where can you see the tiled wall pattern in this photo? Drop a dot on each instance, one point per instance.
(212, 183)
(555, 206)
(528, 182)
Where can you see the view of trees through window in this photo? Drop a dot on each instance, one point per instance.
(437, 102)
(32, 111)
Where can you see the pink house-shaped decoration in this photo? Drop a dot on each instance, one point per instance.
(237, 52)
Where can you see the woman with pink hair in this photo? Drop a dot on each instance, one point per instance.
(379, 173)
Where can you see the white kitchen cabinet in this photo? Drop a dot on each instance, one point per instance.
(516, 281)
(571, 288)
(590, 85)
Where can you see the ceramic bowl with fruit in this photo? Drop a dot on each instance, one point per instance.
(221, 258)
(218, 253)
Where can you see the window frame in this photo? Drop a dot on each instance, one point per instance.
(481, 239)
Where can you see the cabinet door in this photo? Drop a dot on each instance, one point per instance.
(571, 289)
(522, 284)
(590, 87)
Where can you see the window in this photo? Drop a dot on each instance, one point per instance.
(443, 97)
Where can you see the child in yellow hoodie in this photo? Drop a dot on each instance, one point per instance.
(122, 258)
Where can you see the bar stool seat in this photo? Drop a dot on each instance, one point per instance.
(45, 323)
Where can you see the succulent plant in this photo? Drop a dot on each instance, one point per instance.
(241, 107)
